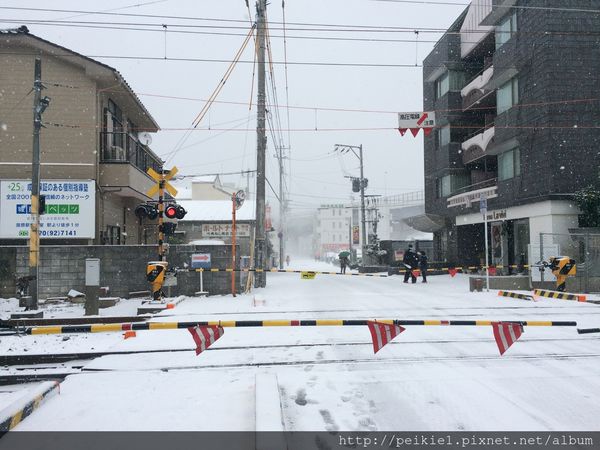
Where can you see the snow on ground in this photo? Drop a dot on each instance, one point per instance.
(327, 378)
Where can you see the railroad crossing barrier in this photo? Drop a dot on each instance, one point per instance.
(515, 295)
(588, 330)
(120, 327)
(14, 413)
(560, 295)
(301, 272)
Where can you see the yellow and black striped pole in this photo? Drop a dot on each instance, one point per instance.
(314, 272)
(42, 392)
(161, 209)
(560, 295)
(119, 327)
(515, 295)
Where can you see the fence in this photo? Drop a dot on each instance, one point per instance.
(583, 246)
(123, 268)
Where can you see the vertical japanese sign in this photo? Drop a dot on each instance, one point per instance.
(268, 223)
(70, 209)
(355, 235)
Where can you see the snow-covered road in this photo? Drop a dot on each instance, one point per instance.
(327, 378)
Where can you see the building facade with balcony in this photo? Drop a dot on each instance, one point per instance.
(95, 129)
(515, 90)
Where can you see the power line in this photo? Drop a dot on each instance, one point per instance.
(243, 172)
(160, 27)
(189, 18)
(376, 111)
(540, 8)
(295, 63)
(118, 9)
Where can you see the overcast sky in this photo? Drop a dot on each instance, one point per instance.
(393, 164)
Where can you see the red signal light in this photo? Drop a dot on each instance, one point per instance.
(171, 212)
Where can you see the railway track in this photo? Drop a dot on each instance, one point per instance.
(38, 375)
(28, 368)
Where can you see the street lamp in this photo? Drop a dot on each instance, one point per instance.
(342, 148)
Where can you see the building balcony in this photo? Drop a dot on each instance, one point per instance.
(475, 147)
(124, 163)
(499, 9)
(478, 89)
(468, 195)
(472, 32)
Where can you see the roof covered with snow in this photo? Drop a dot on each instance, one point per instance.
(215, 210)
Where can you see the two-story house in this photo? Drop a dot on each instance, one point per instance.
(94, 146)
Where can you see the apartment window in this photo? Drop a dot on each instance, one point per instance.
(113, 133)
(507, 95)
(443, 136)
(449, 81)
(448, 184)
(505, 30)
(509, 164)
(442, 85)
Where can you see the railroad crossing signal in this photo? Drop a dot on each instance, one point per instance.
(162, 178)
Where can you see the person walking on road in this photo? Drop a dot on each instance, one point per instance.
(411, 262)
(423, 265)
(343, 264)
(287, 260)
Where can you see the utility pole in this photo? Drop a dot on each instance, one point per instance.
(282, 232)
(39, 106)
(363, 184)
(362, 206)
(261, 145)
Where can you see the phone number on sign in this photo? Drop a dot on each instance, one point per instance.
(58, 233)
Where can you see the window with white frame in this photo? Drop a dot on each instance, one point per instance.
(507, 95)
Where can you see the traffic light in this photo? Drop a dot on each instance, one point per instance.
(146, 210)
(355, 184)
(175, 211)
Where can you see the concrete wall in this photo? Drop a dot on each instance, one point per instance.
(123, 268)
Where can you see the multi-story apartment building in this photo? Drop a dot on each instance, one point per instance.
(337, 229)
(515, 88)
(94, 140)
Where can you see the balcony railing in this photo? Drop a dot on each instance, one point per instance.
(476, 91)
(482, 139)
(118, 147)
(467, 195)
